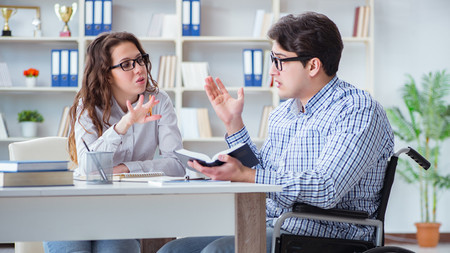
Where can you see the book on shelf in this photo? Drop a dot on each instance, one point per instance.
(162, 25)
(190, 21)
(63, 129)
(166, 72)
(262, 23)
(195, 123)
(181, 181)
(3, 128)
(241, 151)
(41, 178)
(137, 176)
(263, 125)
(361, 21)
(194, 74)
(5, 78)
(32, 165)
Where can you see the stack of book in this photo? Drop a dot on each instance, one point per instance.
(191, 18)
(361, 23)
(35, 173)
(195, 123)
(167, 71)
(98, 17)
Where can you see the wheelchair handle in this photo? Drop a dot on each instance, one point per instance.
(422, 161)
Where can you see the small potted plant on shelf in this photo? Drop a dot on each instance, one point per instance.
(29, 120)
(426, 128)
(31, 75)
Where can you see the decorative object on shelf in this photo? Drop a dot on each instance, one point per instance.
(7, 13)
(29, 120)
(428, 127)
(36, 22)
(31, 75)
(64, 14)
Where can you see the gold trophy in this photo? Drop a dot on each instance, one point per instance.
(7, 13)
(64, 14)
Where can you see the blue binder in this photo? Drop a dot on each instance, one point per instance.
(73, 67)
(64, 69)
(247, 60)
(107, 16)
(98, 17)
(55, 60)
(257, 67)
(195, 18)
(89, 17)
(186, 18)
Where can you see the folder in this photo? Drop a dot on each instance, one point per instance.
(56, 59)
(186, 19)
(64, 69)
(107, 15)
(257, 67)
(98, 17)
(248, 67)
(195, 17)
(73, 68)
(89, 17)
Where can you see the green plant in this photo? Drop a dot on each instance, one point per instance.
(427, 127)
(29, 115)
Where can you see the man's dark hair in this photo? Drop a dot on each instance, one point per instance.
(310, 34)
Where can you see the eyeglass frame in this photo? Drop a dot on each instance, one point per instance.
(275, 60)
(145, 58)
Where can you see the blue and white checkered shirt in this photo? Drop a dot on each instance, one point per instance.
(332, 154)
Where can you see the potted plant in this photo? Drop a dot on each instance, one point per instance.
(29, 120)
(31, 75)
(426, 127)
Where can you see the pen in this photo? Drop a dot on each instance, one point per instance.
(99, 166)
(149, 113)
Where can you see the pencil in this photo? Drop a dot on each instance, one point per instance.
(149, 113)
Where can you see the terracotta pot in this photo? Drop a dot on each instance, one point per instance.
(427, 234)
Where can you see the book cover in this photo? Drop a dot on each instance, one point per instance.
(242, 152)
(43, 178)
(56, 65)
(23, 166)
(64, 68)
(88, 17)
(247, 60)
(195, 18)
(186, 19)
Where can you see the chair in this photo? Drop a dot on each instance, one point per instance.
(56, 148)
(46, 148)
(283, 243)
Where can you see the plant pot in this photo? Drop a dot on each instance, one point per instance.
(30, 81)
(29, 129)
(427, 234)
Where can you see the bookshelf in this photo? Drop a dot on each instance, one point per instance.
(225, 32)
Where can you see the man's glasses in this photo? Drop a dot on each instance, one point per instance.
(279, 62)
(131, 64)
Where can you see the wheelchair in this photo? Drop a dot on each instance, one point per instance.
(288, 243)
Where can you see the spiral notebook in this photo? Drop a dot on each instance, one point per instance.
(136, 177)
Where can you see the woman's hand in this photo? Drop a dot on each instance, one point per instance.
(228, 109)
(141, 113)
(121, 168)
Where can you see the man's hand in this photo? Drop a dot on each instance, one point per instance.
(228, 109)
(231, 170)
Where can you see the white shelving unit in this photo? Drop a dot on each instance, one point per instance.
(225, 31)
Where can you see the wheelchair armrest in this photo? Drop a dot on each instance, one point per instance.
(305, 208)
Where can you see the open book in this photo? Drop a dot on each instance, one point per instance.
(242, 152)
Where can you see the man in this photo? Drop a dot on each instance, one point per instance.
(327, 145)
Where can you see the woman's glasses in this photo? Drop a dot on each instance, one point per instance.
(131, 64)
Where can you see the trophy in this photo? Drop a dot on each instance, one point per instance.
(64, 14)
(7, 13)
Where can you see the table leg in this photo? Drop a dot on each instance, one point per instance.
(250, 222)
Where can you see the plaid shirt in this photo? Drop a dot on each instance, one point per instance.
(332, 154)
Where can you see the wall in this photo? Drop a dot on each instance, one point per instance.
(411, 36)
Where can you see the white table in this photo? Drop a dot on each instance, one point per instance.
(135, 210)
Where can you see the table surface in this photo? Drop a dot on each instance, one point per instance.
(123, 210)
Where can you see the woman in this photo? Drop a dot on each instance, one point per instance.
(120, 109)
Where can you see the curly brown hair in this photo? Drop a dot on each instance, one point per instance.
(96, 85)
